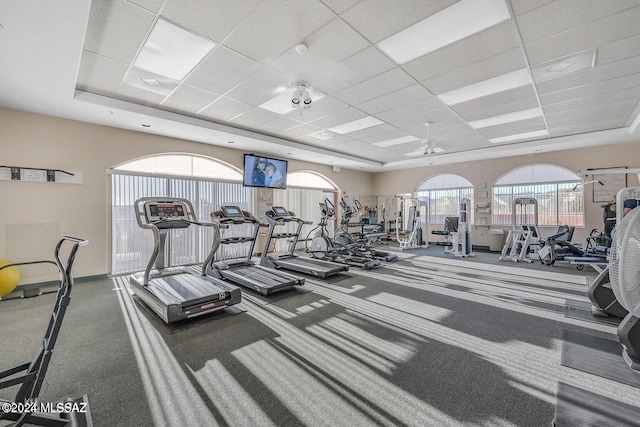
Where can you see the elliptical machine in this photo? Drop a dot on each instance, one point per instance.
(322, 247)
(344, 239)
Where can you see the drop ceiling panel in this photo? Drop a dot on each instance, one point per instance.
(377, 20)
(189, 99)
(587, 117)
(260, 87)
(385, 136)
(277, 25)
(593, 100)
(100, 75)
(625, 82)
(524, 6)
(599, 73)
(399, 98)
(339, 6)
(139, 96)
(420, 108)
(500, 64)
(222, 70)
(365, 135)
(359, 67)
(562, 15)
(225, 109)
(501, 109)
(344, 116)
(619, 26)
(279, 125)
(254, 117)
(451, 128)
(521, 126)
(618, 50)
(151, 5)
(117, 29)
(331, 44)
(580, 114)
(488, 43)
(214, 23)
(390, 81)
(141, 79)
(494, 100)
(301, 130)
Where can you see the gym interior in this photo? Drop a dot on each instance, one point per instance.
(320, 212)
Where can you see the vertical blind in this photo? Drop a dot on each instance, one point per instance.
(132, 246)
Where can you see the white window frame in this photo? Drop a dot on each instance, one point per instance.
(456, 193)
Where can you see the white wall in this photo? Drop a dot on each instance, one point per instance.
(40, 212)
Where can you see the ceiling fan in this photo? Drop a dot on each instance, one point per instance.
(299, 95)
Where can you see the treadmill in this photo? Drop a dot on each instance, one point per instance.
(243, 271)
(177, 293)
(289, 260)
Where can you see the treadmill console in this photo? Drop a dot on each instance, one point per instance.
(168, 214)
(280, 211)
(232, 212)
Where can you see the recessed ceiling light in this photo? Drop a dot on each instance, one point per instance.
(363, 123)
(231, 142)
(396, 141)
(144, 125)
(497, 84)
(289, 154)
(171, 51)
(527, 135)
(461, 20)
(538, 150)
(506, 118)
(559, 67)
(323, 135)
(151, 82)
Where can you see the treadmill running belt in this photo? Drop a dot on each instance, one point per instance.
(182, 287)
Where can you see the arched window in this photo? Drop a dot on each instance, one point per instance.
(206, 182)
(560, 202)
(443, 193)
(305, 190)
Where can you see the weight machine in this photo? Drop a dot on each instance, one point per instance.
(409, 229)
(524, 233)
(461, 239)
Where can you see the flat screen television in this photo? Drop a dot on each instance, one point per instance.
(451, 224)
(264, 172)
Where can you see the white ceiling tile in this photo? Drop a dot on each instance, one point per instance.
(524, 6)
(136, 77)
(339, 6)
(513, 128)
(335, 119)
(385, 136)
(201, 17)
(595, 113)
(138, 96)
(405, 96)
(225, 109)
(98, 74)
(590, 76)
(377, 20)
(301, 130)
(276, 25)
(589, 101)
(361, 66)
(365, 135)
(327, 47)
(254, 117)
(615, 27)
(222, 70)
(117, 29)
(189, 99)
(485, 44)
(382, 84)
(150, 5)
(490, 101)
(420, 108)
(260, 87)
(589, 112)
(494, 66)
(592, 89)
(618, 50)
(501, 109)
(279, 125)
(562, 15)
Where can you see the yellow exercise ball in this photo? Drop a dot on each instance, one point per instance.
(9, 278)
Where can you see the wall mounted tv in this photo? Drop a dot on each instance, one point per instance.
(264, 172)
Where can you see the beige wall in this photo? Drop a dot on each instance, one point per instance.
(33, 140)
(488, 171)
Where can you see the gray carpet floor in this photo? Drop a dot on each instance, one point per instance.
(428, 341)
